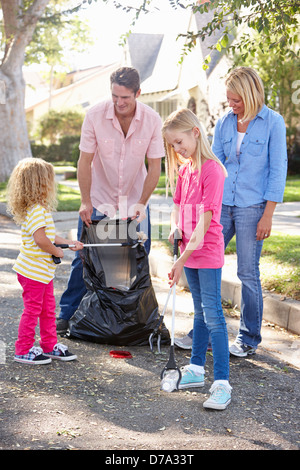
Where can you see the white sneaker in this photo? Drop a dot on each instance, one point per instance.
(241, 350)
(184, 343)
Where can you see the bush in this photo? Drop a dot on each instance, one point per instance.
(56, 124)
(63, 151)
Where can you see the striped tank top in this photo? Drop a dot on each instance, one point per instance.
(33, 262)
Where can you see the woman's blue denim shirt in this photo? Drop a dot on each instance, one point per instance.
(259, 174)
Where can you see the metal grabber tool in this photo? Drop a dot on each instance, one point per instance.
(171, 374)
(90, 245)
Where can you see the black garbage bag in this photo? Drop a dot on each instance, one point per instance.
(120, 305)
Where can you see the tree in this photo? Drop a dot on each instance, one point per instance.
(20, 19)
(276, 21)
(278, 87)
(57, 33)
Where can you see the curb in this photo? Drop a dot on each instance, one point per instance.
(284, 313)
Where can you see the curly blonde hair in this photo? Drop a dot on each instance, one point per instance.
(32, 182)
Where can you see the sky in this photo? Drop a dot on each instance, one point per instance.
(108, 23)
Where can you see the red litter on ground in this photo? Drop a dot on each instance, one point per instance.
(121, 354)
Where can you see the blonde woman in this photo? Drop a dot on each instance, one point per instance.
(250, 140)
(31, 197)
(197, 210)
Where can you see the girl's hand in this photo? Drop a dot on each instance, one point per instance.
(59, 252)
(176, 271)
(78, 245)
(171, 236)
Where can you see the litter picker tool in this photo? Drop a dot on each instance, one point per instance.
(171, 374)
(158, 327)
(157, 330)
(57, 260)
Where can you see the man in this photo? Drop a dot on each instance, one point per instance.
(116, 137)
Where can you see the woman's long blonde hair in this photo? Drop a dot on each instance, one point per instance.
(184, 120)
(32, 182)
(245, 82)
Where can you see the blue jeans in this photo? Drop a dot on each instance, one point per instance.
(209, 321)
(242, 222)
(76, 288)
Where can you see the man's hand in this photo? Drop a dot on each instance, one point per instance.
(139, 212)
(84, 176)
(85, 213)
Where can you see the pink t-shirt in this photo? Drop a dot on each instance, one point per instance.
(195, 195)
(118, 168)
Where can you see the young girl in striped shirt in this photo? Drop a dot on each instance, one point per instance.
(31, 197)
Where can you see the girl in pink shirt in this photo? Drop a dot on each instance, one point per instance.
(197, 209)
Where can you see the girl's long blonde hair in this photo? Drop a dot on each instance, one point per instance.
(184, 120)
(32, 182)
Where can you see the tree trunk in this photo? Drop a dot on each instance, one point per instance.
(14, 142)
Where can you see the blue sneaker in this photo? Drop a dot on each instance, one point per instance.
(220, 397)
(189, 379)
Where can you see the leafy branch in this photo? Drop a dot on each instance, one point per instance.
(276, 21)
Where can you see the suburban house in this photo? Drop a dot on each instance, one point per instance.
(167, 83)
(81, 89)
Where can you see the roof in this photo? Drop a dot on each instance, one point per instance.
(144, 50)
(157, 56)
(42, 94)
(201, 21)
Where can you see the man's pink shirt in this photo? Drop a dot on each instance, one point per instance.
(195, 195)
(118, 168)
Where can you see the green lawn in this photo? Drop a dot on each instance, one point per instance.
(291, 193)
(292, 189)
(68, 198)
(279, 264)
